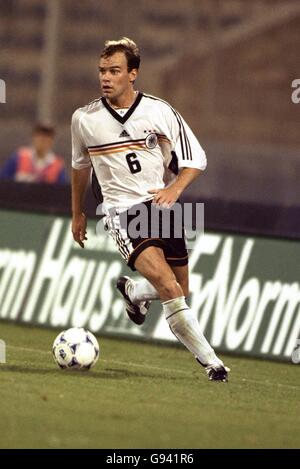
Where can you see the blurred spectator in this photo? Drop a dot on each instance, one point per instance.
(38, 162)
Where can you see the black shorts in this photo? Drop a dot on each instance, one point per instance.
(145, 225)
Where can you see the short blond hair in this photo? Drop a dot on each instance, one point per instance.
(128, 47)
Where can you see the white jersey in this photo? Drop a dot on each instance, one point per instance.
(134, 152)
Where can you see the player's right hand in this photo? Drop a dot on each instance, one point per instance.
(79, 228)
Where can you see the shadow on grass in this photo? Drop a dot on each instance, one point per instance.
(106, 373)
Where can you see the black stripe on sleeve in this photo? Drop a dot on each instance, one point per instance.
(187, 142)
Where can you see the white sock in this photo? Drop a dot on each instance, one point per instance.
(185, 326)
(141, 290)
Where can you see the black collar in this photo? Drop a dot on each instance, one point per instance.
(126, 116)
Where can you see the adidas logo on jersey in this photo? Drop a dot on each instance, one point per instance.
(124, 134)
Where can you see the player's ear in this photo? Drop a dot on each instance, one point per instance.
(133, 75)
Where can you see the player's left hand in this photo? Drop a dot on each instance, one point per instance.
(165, 198)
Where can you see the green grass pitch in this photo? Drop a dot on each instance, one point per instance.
(141, 396)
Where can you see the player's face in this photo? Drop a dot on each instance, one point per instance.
(115, 80)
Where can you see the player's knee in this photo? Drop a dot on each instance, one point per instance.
(165, 283)
(170, 288)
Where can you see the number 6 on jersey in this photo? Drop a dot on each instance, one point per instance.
(133, 164)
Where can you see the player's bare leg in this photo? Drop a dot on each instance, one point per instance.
(142, 290)
(152, 265)
(182, 275)
(138, 294)
(182, 321)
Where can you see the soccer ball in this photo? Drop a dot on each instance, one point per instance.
(75, 348)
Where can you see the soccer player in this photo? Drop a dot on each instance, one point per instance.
(141, 152)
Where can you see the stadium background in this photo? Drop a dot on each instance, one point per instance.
(228, 68)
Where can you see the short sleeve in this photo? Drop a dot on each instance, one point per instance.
(188, 150)
(80, 155)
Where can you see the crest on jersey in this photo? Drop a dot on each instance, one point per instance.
(151, 141)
